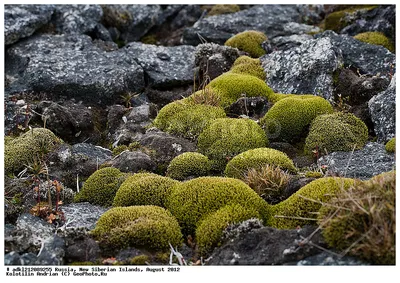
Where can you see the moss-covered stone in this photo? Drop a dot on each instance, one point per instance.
(289, 118)
(210, 230)
(377, 38)
(249, 66)
(140, 260)
(144, 189)
(190, 201)
(301, 208)
(362, 220)
(221, 9)
(119, 149)
(224, 138)
(313, 174)
(188, 164)
(100, 188)
(391, 145)
(248, 41)
(338, 20)
(336, 132)
(149, 227)
(256, 158)
(186, 119)
(31, 145)
(231, 86)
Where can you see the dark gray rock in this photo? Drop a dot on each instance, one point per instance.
(267, 246)
(102, 33)
(133, 162)
(188, 15)
(382, 108)
(82, 215)
(311, 14)
(362, 112)
(326, 258)
(214, 60)
(356, 90)
(76, 19)
(285, 147)
(165, 147)
(163, 66)
(307, 69)
(369, 59)
(70, 121)
(133, 21)
(15, 114)
(163, 97)
(81, 249)
(295, 183)
(114, 117)
(289, 41)
(372, 160)
(21, 21)
(254, 107)
(127, 254)
(14, 258)
(381, 19)
(81, 159)
(74, 67)
(265, 18)
(52, 253)
(292, 28)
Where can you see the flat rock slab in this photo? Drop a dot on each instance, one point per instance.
(72, 66)
(164, 66)
(382, 108)
(325, 258)
(21, 21)
(307, 69)
(82, 215)
(265, 18)
(370, 161)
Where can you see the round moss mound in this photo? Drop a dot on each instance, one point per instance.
(377, 38)
(221, 9)
(149, 227)
(144, 189)
(256, 158)
(186, 120)
(100, 188)
(210, 230)
(336, 132)
(289, 118)
(224, 138)
(190, 201)
(363, 220)
(248, 66)
(301, 208)
(391, 145)
(188, 164)
(248, 41)
(31, 145)
(232, 86)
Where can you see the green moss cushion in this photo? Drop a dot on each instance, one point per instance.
(231, 86)
(100, 188)
(256, 158)
(298, 211)
(188, 164)
(362, 220)
(190, 201)
(186, 119)
(149, 227)
(336, 132)
(377, 38)
(289, 118)
(227, 137)
(248, 41)
(391, 145)
(24, 149)
(223, 9)
(144, 189)
(210, 230)
(249, 66)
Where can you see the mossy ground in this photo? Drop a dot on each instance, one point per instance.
(248, 41)
(377, 38)
(227, 137)
(193, 200)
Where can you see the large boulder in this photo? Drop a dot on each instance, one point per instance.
(164, 66)
(265, 18)
(71, 65)
(21, 21)
(132, 162)
(372, 160)
(382, 108)
(307, 69)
